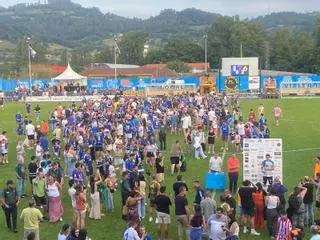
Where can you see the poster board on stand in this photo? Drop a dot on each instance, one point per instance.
(254, 155)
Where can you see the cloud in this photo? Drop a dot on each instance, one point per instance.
(146, 8)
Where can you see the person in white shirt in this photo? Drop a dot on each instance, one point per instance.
(198, 151)
(64, 232)
(131, 233)
(241, 131)
(217, 223)
(30, 130)
(211, 116)
(215, 163)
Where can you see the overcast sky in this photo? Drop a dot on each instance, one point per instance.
(146, 8)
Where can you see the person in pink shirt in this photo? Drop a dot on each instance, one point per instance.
(277, 114)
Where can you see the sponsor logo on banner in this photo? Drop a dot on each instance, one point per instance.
(254, 82)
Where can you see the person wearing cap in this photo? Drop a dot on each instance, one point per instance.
(9, 201)
(31, 217)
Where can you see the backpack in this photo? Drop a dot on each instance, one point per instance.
(294, 203)
(183, 167)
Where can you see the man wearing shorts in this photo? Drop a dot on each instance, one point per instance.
(225, 134)
(247, 206)
(277, 114)
(175, 157)
(163, 204)
(30, 130)
(267, 170)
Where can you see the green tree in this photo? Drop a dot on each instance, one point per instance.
(105, 56)
(131, 46)
(80, 57)
(178, 66)
(21, 56)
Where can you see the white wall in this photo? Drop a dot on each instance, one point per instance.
(253, 63)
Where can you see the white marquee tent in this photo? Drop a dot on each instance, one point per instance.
(70, 76)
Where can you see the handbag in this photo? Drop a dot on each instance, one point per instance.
(125, 210)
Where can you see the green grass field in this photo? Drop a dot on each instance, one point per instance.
(299, 129)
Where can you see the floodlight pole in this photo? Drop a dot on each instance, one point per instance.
(29, 59)
(206, 52)
(115, 58)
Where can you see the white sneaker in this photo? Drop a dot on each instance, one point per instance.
(254, 232)
(245, 230)
(150, 219)
(60, 219)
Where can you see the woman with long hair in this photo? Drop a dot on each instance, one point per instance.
(197, 223)
(232, 229)
(272, 202)
(258, 198)
(81, 207)
(54, 198)
(132, 206)
(95, 198)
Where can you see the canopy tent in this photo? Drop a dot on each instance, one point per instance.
(69, 76)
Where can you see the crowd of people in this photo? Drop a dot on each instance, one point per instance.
(119, 144)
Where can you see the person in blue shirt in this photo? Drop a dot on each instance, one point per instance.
(44, 143)
(89, 164)
(225, 133)
(20, 132)
(56, 149)
(18, 118)
(28, 108)
(98, 144)
(128, 130)
(100, 165)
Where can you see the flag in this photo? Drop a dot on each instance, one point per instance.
(32, 52)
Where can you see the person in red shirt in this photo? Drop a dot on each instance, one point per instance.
(252, 115)
(233, 172)
(44, 127)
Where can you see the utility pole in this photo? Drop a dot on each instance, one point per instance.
(206, 52)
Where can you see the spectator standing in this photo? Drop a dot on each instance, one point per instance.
(32, 169)
(39, 185)
(280, 190)
(215, 163)
(307, 201)
(31, 217)
(54, 198)
(199, 192)
(176, 152)
(197, 224)
(10, 201)
(247, 206)
(21, 177)
(284, 227)
(259, 203)
(272, 202)
(216, 223)
(163, 204)
(162, 137)
(233, 172)
(296, 206)
(182, 213)
(208, 206)
(179, 183)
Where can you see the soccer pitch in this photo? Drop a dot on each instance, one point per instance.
(299, 129)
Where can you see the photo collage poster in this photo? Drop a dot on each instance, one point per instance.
(254, 153)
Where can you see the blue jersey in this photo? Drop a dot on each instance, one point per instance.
(224, 129)
(129, 165)
(18, 118)
(28, 107)
(98, 136)
(128, 128)
(44, 143)
(20, 130)
(81, 153)
(88, 161)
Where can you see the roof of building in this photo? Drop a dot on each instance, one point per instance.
(198, 66)
(130, 72)
(283, 73)
(112, 65)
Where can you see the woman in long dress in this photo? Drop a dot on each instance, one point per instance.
(258, 198)
(106, 195)
(54, 198)
(95, 198)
